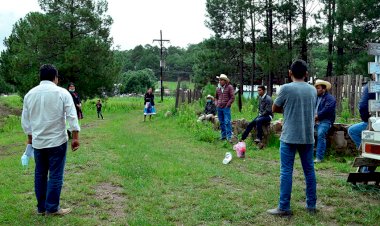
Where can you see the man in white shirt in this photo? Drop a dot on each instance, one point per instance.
(45, 111)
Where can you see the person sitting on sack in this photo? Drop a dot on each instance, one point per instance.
(210, 110)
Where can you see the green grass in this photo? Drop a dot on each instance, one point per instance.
(172, 86)
(12, 101)
(169, 171)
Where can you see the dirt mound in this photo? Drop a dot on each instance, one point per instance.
(5, 111)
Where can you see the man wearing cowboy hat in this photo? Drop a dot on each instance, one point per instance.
(324, 117)
(224, 99)
(210, 110)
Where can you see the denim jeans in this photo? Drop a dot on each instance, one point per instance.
(224, 116)
(49, 161)
(322, 130)
(355, 132)
(258, 124)
(287, 154)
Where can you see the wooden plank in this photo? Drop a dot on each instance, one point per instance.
(348, 88)
(339, 91)
(364, 177)
(352, 95)
(360, 161)
(356, 93)
(345, 86)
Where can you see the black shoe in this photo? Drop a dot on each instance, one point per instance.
(222, 138)
(312, 210)
(278, 212)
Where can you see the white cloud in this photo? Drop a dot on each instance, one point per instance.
(135, 22)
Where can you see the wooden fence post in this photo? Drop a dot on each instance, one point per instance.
(352, 95)
(189, 96)
(177, 93)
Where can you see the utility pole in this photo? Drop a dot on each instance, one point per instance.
(161, 62)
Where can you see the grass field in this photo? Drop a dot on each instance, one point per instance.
(172, 86)
(169, 171)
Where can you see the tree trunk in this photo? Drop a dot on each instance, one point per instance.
(241, 58)
(290, 33)
(331, 28)
(253, 38)
(304, 33)
(340, 50)
(270, 41)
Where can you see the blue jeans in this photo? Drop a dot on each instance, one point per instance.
(287, 154)
(224, 116)
(258, 124)
(49, 161)
(355, 132)
(322, 130)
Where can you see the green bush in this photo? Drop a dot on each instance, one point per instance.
(345, 114)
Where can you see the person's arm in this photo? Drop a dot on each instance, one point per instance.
(152, 100)
(278, 104)
(213, 109)
(327, 109)
(277, 109)
(75, 141)
(268, 106)
(25, 123)
(232, 96)
(72, 119)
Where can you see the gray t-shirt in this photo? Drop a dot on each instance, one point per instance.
(298, 102)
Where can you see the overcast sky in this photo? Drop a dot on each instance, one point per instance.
(135, 21)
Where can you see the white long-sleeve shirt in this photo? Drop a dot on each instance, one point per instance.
(45, 111)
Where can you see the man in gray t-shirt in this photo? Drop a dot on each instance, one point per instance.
(296, 101)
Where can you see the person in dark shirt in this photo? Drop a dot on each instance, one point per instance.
(99, 108)
(210, 110)
(149, 104)
(265, 115)
(324, 116)
(355, 130)
(76, 99)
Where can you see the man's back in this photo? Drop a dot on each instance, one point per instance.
(45, 108)
(298, 101)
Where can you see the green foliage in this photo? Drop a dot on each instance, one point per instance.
(209, 89)
(138, 81)
(202, 131)
(215, 56)
(72, 35)
(10, 123)
(12, 101)
(345, 114)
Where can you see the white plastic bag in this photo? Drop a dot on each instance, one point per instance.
(28, 153)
